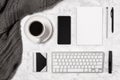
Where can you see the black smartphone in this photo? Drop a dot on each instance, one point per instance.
(64, 29)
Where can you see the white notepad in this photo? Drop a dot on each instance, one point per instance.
(89, 25)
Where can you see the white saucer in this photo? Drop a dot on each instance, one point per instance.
(46, 22)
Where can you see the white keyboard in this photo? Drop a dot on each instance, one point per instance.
(74, 62)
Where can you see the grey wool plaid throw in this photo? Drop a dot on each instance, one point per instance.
(11, 12)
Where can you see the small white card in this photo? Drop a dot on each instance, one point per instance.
(89, 25)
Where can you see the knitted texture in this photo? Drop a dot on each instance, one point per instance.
(11, 12)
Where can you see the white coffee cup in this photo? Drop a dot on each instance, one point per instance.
(38, 29)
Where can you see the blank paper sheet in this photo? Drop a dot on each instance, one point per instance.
(89, 25)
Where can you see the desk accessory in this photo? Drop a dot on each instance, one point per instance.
(107, 21)
(38, 29)
(40, 62)
(64, 29)
(89, 26)
(110, 62)
(112, 19)
(77, 62)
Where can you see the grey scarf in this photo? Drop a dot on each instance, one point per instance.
(11, 12)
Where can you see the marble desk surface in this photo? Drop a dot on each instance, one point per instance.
(25, 71)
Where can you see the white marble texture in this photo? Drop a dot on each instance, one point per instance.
(67, 7)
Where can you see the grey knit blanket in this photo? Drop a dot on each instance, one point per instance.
(11, 12)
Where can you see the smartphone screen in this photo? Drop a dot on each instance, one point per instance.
(64, 30)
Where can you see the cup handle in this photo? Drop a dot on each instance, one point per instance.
(40, 40)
